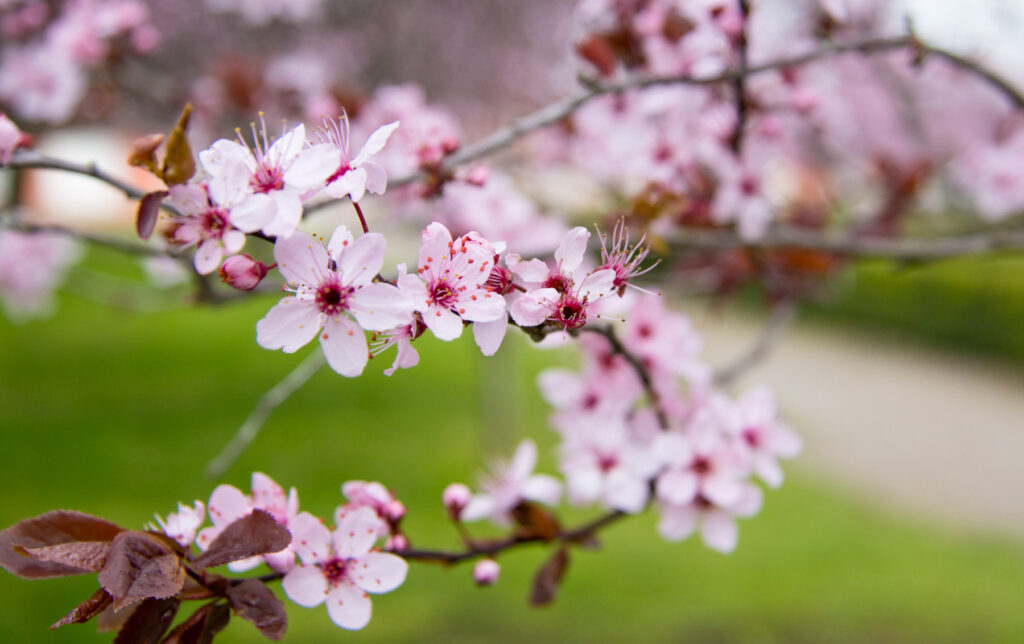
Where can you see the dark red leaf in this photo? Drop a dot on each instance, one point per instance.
(549, 577)
(535, 521)
(599, 53)
(86, 556)
(143, 152)
(201, 626)
(50, 529)
(86, 610)
(141, 566)
(254, 534)
(149, 212)
(149, 622)
(253, 601)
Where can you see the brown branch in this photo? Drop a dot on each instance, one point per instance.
(122, 246)
(900, 249)
(30, 159)
(638, 366)
(740, 82)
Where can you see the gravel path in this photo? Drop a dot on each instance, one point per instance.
(908, 427)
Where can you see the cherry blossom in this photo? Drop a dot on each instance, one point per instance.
(511, 483)
(339, 567)
(486, 572)
(622, 258)
(330, 284)
(605, 464)
(183, 524)
(206, 224)
(11, 138)
(716, 523)
(268, 181)
(32, 265)
(355, 176)
(767, 439)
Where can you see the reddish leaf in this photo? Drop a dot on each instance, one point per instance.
(179, 165)
(50, 529)
(148, 213)
(535, 522)
(254, 534)
(148, 622)
(599, 53)
(253, 601)
(86, 556)
(143, 152)
(549, 577)
(140, 566)
(202, 626)
(86, 610)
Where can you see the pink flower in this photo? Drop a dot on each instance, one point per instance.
(605, 464)
(330, 284)
(716, 522)
(339, 567)
(763, 436)
(354, 176)
(228, 504)
(267, 182)
(486, 572)
(11, 138)
(622, 258)
(451, 285)
(182, 525)
(32, 266)
(204, 223)
(401, 336)
(374, 495)
(510, 484)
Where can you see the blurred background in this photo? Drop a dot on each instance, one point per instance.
(903, 521)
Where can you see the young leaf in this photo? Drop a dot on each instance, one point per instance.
(254, 534)
(148, 213)
(535, 521)
(549, 577)
(179, 165)
(143, 152)
(86, 610)
(253, 601)
(201, 626)
(148, 622)
(140, 566)
(86, 556)
(50, 529)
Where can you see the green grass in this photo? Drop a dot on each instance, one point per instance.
(971, 304)
(115, 414)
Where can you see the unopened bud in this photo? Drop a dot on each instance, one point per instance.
(393, 511)
(486, 572)
(397, 542)
(242, 272)
(478, 175)
(455, 497)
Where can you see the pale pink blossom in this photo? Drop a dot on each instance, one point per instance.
(764, 436)
(39, 85)
(455, 498)
(377, 497)
(205, 224)
(701, 464)
(32, 266)
(605, 464)
(183, 524)
(356, 175)
(622, 258)
(268, 182)
(451, 282)
(11, 138)
(716, 523)
(228, 504)
(509, 484)
(334, 291)
(486, 572)
(340, 568)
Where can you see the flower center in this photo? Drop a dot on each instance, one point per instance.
(752, 437)
(442, 294)
(332, 298)
(559, 282)
(267, 179)
(571, 312)
(607, 461)
(334, 570)
(339, 173)
(213, 223)
(701, 465)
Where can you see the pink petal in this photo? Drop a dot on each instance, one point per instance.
(721, 490)
(570, 251)
(719, 531)
(362, 259)
(376, 177)
(378, 572)
(677, 523)
(300, 258)
(489, 335)
(626, 493)
(381, 307)
(534, 307)
(305, 585)
(290, 325)
(543, 488)
(375, 143)
(434, 245)
(287, 213)
(407, 357)
(253, 213)
(344, 345)
(311, 539)
(530, 271)
(584, 485)
(352, 184)
(524, 460)
(227, 504)
(597, 284)
(480, 506)
(356, 532)
(268, 495)
(481, 306)
(341, 239)
(676, 486)
(348, 606)
(312, 167)
(208, 256)
(444, 324)
(288, 146)
(233, 241)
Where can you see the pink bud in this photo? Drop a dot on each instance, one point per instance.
(455, 498)
(242, 272)
(486, 572)
(478, 175)
(397, 542)
(393, 511)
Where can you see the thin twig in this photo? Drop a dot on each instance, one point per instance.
(740, 82)
(780, 318)
(902, 249)
(266, 406)
(129, 248)
(638, 366)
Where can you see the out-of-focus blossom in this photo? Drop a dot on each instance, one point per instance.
(32, 265)
(511, 483)
(183, 524)
(11, 138)
(261, 12)
(356, 175)
(486, 572)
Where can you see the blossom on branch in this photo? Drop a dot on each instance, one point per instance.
(206, 224)
(355, 176)
(509, 484)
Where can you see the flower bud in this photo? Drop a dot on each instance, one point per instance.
(486, 572)
(397, 542)
(242, 272)
(455, 498)
(393, 511)
(478, 175)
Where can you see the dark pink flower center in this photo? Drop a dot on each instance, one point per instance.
(267, 178)
(559, 282)
(332, 298)
(607, 461)
(334, 570)
(339, 173)
(500, 280)
(571, 312)
(751, 436)
(443, 294)
(213, 223)
(701, 465)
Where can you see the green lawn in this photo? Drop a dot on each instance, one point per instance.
(116, 413)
